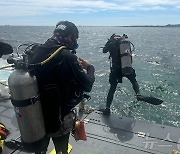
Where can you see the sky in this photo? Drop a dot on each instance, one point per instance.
(90, 12)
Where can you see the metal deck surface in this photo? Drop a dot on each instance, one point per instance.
(112, 134)
(106, 134)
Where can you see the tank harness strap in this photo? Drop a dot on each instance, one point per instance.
(125, 54)
(26, 102)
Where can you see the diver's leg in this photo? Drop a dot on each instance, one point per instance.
(110, 95)
(61, 143)
(135, 86)
(43, 150)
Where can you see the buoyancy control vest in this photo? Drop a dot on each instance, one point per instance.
(58, 85)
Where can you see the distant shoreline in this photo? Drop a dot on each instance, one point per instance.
(169, 25)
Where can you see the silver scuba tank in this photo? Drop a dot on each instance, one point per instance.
(25, 98)
(126, 57)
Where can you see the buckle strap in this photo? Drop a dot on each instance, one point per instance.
(26, 102)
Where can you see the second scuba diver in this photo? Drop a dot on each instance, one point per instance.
(116, 72)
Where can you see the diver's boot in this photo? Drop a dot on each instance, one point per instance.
(106, 111)
(139, 97)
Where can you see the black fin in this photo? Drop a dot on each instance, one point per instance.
(149, 99)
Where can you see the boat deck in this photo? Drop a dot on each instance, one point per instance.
(106, 134)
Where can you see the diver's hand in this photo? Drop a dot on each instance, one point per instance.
(84, 63)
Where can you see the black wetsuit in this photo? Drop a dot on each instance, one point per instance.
(60, 82)
(115, 76)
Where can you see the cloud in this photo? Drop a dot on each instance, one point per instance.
(39, 7)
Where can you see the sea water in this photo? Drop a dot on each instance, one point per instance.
(155, 59)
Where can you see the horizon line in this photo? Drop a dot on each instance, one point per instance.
(105, 26)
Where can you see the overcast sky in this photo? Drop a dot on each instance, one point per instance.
(90, 12)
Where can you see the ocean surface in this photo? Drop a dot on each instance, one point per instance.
(156, 60)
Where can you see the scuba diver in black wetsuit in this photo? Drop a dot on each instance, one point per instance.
(116, 72)
(61, 81)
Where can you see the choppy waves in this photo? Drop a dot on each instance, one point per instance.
(156, 61)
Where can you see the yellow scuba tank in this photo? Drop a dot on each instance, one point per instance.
(126, 55)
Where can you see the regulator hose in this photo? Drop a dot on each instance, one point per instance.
(6, 67)
(48, 59)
